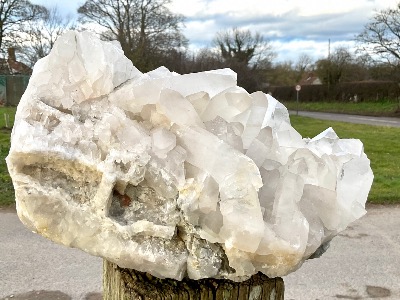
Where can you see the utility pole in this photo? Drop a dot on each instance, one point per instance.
(329, 67)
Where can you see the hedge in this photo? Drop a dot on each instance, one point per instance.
(349, 91)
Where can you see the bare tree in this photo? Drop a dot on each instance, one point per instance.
(303, 64)
(13, 14)
(335, 69)
(146, 29)
(381, 36)
(242, 46)
(283, 73)
(40, 35)
(206, 59)
(245, 53)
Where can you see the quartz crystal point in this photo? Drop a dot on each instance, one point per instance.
(175, 175)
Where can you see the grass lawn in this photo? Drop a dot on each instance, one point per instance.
(383, 108)
(6, 187)
(382, 146)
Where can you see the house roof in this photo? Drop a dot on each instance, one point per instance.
(12, 66)
(309, 79)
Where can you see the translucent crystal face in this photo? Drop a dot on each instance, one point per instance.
(175, 175)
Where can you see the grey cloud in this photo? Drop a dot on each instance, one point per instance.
(290, 26)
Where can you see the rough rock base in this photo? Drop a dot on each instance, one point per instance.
(127, 284)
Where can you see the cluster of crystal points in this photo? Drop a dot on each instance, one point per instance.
(175, 175)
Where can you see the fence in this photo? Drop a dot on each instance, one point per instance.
(12, 87)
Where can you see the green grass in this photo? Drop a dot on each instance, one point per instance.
(6, 187)
(4, 111)
(383, 108)
(382, 146)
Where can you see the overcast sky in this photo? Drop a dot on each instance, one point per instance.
(294, 27)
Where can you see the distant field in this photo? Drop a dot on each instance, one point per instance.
(383, 108)
(382, 146)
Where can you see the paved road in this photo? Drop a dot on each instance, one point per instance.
(362, 263)
(379, 121)
(29, 262)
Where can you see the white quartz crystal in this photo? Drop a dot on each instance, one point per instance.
(175, 175)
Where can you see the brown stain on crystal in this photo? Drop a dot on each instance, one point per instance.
(124, 200)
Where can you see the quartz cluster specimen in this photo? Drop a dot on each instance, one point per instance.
(175, 175)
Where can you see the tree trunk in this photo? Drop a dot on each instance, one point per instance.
(127, 284)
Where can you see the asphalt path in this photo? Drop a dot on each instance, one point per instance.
(357, 119)
(32, 267)
(362, 263)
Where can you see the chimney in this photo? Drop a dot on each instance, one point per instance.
(11, 54)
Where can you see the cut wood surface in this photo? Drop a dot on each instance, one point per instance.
(127, 284)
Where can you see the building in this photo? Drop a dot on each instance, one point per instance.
(310, 78)
(14, 78)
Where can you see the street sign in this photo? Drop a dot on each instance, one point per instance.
(298, 87)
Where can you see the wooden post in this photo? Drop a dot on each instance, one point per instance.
(127, 284)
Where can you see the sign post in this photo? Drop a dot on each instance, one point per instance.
(298, 88)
